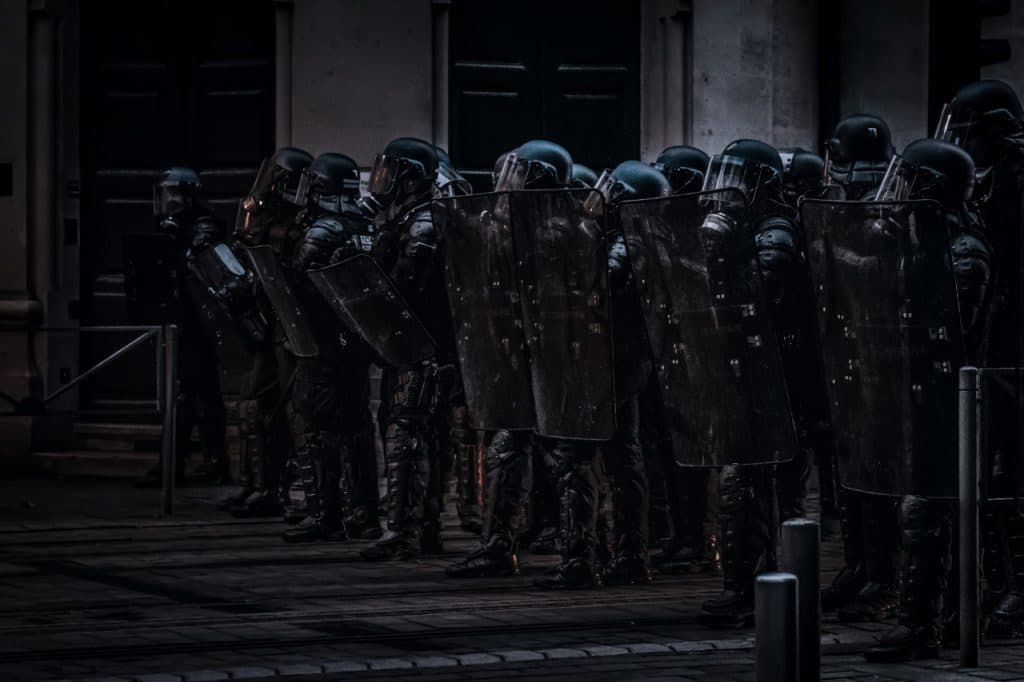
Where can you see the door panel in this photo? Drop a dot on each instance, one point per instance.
(162, 83)
(566, 71)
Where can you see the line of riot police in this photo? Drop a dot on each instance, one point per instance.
(606, 361)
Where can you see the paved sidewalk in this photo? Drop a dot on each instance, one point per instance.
(94, 586)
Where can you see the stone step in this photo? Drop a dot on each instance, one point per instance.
(91, 463)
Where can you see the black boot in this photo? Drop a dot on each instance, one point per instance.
(746, 516)
(470, 477)
(325, 451)
(509, 483)
(363, 518)
(493, 559)
(577, 488)
(544, 501)
(852, 576)
(408, 479)
(926, 549)
(878, 598)
(363, 523)
(630, 565)
(689, 549)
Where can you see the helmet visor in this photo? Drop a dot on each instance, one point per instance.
(171, 199)
(905, 181)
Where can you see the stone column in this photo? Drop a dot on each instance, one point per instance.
(439, 86)
(283, 12)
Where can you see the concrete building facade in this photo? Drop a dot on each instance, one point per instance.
(349, 75)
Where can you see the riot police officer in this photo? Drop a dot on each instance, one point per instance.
(263, 395)
(747, 504)
(857, 156)
(986, 119)
(512, 456)
(622, 455)
(406, 247)
(679, 497)
(940, 171)
(180, 212)
(331, 388)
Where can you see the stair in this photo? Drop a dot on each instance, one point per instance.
(118, 450)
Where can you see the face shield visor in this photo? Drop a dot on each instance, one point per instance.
(985, 136)
(607, 191)
(517, 174)
(312, 191)
(387, 171)
(905, 181)
(273, 179)
(732, 172)
(682, 180)
(173, 198)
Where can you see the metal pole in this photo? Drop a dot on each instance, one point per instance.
(801, 539)
(969, 453)
(170, 417)
(775, 616)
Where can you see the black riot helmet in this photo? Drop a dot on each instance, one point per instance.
(684, 167)
(273, 197)
(177, 191)
(449, 182)
(805, 171)
(985, 119)
(750, 166)
(583, 177)
(858, 153)
(405, 169)
(537, 164)
(331, 180)
(929, 169)
(628, 181)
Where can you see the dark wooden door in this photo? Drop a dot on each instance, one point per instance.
(163, 83)
(561, 70)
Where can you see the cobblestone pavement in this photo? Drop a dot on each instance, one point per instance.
(94, 586)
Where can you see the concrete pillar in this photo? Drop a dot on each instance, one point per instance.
(666, 75)
(441, 15)
(283, 12)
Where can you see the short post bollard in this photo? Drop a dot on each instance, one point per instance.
(170, 418)
(801, 540)
(775, 615)
(968, 549)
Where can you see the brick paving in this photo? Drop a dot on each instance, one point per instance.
(93, 585)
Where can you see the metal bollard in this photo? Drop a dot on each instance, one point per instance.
(801, 541)
(170, 418)
(775, 615)
(969, 451)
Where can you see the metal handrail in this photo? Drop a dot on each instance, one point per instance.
(166, 337)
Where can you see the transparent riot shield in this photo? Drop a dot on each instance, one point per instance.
(483, 290)
(152, 281)
(562, 259)
(370, 306)
(892, 341)
(715, 349)
(233, 355)
(282, 299)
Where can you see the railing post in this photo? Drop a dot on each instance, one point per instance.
(776, 622)
(169, 336)
(968, 489)
(801, 540)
